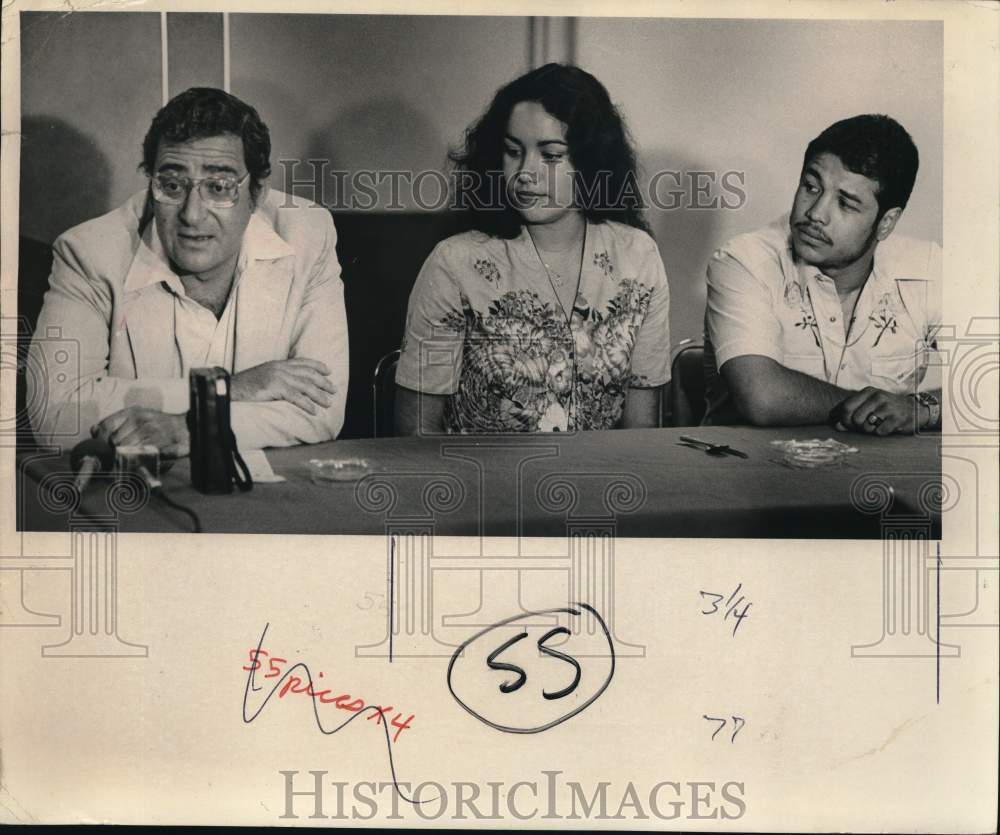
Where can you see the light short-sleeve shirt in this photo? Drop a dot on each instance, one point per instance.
(764, 301)
(484, 325)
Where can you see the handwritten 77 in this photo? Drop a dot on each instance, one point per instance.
(738, 723)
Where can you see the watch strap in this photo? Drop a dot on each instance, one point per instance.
(933, 407)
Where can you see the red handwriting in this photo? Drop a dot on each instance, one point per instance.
(259, 659)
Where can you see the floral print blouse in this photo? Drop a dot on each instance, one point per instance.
(485, 326)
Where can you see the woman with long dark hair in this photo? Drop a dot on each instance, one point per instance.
(552, 312)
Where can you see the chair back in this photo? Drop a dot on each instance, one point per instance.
(34, 264)
(384, 395)
(687, 385)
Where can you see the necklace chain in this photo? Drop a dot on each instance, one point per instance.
(554, 275)
(555, 278)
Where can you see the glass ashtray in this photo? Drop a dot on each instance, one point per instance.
(812, 453)
(325, 470)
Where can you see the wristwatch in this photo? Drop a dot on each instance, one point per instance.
(933, 407)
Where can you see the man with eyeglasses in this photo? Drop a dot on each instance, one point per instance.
(207, 267)
(826, 315)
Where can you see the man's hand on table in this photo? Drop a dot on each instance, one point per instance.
(137, 425)
(877, 412)
(301, 381)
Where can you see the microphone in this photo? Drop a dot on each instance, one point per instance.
(88, 458)
(143, 460)
(95, 456)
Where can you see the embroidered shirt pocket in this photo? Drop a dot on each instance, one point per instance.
(896, 374)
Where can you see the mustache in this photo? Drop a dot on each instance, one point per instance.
(813, 231)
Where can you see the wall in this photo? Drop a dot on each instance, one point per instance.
(80, 150)
(370, 92)
(90, 83)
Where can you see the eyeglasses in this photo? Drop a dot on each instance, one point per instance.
(217, 192)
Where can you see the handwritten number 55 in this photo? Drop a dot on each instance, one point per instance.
(522, 676)
(274, 663)
(493, 664)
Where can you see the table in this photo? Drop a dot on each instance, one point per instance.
(587, 489)
(627, 483)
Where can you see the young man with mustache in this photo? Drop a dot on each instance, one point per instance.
(826, 316)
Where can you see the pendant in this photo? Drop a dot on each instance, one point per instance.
(556, 278)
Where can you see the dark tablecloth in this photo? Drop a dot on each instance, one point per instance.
(627, 482)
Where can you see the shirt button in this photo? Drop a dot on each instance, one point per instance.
(833, 318)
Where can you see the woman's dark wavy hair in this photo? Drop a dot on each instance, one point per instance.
(599, 147)
(202, 112)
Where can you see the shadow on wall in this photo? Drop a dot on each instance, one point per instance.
(687, 235)
(383, 241)
(65, 178)
(380, 136)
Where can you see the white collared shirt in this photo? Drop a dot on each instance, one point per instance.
(763, 301)
(201, 340)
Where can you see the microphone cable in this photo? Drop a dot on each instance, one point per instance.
(155, 487)
(161, 494)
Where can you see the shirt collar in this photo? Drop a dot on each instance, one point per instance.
(151, 266)
(882, 274)
(879, 278)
